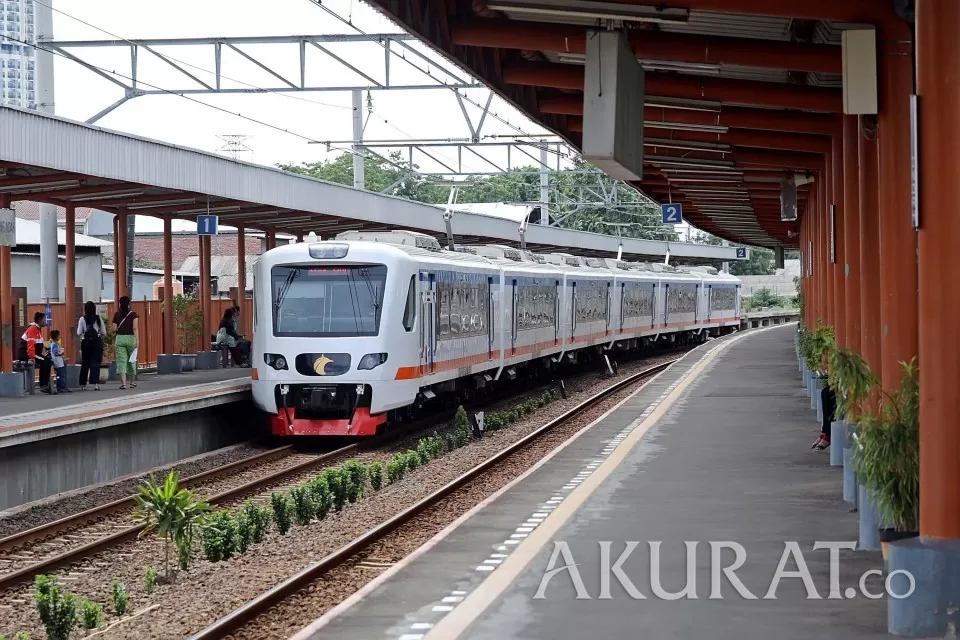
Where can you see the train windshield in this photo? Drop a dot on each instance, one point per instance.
(334, 302)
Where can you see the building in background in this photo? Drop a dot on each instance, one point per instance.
(25, 262)
(18, 62)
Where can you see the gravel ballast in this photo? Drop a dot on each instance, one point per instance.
(208, 591)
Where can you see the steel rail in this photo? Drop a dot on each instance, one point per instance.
(78, 553)
(47, 529)
(249, 611)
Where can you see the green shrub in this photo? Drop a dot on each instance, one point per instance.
(150, 577)
(413, 460)
(184, 552)
(220, 537)
(281, 507)
(58, 610)
(375, 471)
(120, 599)
(91, 614)
(244, 531)
(339, 483)
(321, 496)
(303, 509)
(397, 468)
(357, 473)
(19, 635)
(259, 519)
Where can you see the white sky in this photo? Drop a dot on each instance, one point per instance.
(80, 93)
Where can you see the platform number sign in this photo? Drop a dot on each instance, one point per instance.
(672, 213)
(741, 252)
(206, 225)
(48, 315)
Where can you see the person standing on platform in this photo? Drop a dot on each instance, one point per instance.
(56, 357)
(90, 330)
(128, 334)
(32, 348)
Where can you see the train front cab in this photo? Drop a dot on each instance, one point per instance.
(335, 328)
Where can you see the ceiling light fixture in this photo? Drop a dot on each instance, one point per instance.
(684, 126)
(591, 10)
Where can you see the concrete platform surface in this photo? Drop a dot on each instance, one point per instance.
(43, 416)
(715, 450)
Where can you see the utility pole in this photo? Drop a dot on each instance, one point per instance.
(358, 178)
(544, 187)
(49, 260)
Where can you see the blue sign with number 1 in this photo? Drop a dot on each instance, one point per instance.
(206, 225)
(672, 213)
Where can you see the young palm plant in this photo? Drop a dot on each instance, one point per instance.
(170, 510)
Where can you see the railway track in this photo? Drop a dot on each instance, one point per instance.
(59, 543)
(249, 612)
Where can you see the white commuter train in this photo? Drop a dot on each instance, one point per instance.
(350, 331)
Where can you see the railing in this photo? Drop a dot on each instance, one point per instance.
(188, 336)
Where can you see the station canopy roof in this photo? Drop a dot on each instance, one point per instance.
(739, 94)
(58, 161)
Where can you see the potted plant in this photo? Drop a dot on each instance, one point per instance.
(888, 461)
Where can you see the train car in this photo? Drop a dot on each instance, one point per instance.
(371, 327)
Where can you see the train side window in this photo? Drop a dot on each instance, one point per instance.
(410, 310)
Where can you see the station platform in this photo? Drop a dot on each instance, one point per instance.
(43, 416)
(714, 450)
(50, 444)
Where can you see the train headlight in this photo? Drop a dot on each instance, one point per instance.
(276, 361)
(372, 361)
(328, 251)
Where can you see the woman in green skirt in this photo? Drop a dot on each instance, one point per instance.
(125, 347)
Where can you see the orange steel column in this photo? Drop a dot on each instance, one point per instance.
(169, 344)
(836, 269)
(202, 284)
(827, 232)
(120, 257)
(70, 283)
(938, 52)
(869, 247)
(116, 251)
(898, 240)
(814, 205)
(7, 339)
(242, 278)
(851, 234)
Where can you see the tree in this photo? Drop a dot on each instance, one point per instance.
(584, 198)
(760, 263)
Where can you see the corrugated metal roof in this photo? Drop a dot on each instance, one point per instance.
(28, 233)
(31, 211)
(35, 140)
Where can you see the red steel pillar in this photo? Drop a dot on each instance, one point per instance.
(836, 268)
(898, 240)
(938, 64)
(869, 246)
(241, 300)
(169, 344)
(70, 283)
(851, 234)
(120, 256)
(7, 349)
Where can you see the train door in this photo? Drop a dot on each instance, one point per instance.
(573, 312)
(709, 300)
(491, 318)
(666, 303)
(696, 304)
(428, 327)
(623, 303)
(515, 313)
(556, 314)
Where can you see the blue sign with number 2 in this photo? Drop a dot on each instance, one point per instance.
(672, 213)
(206, 225)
